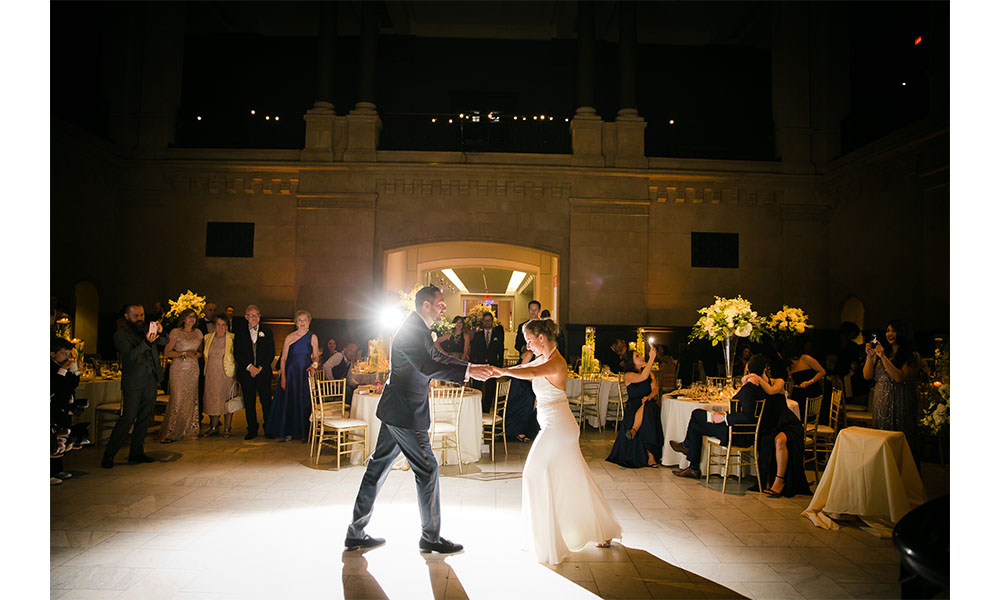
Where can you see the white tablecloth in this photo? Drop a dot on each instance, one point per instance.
(364, 404)
(675, 414)
(575, 385)
(359, 379)
(97, 392)
(871, 474)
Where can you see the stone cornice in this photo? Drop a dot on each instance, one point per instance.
(311, 201)
(610, 206)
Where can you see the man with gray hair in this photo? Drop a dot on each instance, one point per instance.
(253, 349)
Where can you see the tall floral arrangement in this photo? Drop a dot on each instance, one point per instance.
(728, 317)
(788, 322)
(937, 414)
(185, 301)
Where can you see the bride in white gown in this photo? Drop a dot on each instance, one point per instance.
(562, 506)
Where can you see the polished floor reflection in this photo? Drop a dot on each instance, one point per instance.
(224, 518)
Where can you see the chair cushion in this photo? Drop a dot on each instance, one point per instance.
(489, 419)
(859, 416)
(826, 429)
(715, 440)
(583, 399)
(855, 407)
(343, 423)
(440, 427)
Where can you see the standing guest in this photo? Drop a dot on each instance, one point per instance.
(849, 360)
(404, 410)
(457, 344)
(534, 308)
(640, 440)
(806, 373)
(894, 367)
(521, 416)
(253, 350)
(487, 347)
(230, 312)
(613, 356)
(64, 376)
(182, 419)
(141, 373)
(561, 335)
(157, 313)
(290, 411)
(220, 372)
(207, 325)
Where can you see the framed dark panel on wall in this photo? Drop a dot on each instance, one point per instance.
(715, 250)
(233, 240)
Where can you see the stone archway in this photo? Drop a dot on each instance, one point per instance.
(405, 266)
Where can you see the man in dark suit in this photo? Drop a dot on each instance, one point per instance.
(611, 356)
(487, 347)
(716, 424)
(253, 349)
(520, 344)
(404, 410)
(141, 374)
(64, 376)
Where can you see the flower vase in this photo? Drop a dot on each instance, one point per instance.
(727, 349)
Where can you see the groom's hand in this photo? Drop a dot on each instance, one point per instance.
(480, 372)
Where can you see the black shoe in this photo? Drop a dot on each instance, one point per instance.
(678, 447)
(366, 542)
(141, 459)
(107, 462)
(442, 546)
(250, 435)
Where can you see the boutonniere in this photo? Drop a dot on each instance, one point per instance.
(260, 334)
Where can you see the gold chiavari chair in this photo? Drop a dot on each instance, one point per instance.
(336, 431)
(327, 391)
(617, 400)
(717, 459)
(494, 424)
(446, 410)
(585, 405)
(810, 422)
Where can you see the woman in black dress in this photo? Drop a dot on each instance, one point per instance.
(781, 439)
(640, 440)
(806, 373)
(456, 344)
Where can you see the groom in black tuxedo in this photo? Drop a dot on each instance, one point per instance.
(404, 410)
(253, 349)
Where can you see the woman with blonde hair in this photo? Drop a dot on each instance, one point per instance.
(182, 419)
(220, 371)
(291, 408)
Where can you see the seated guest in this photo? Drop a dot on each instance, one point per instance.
(64, 376)
(716, 424)
(668, 368)
(780, 442)
(742, 356)
(640, 440)
(456, 344)
(521, 417)
(330, 358)
(611, 356)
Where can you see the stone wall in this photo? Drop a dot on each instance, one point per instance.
(873, 226)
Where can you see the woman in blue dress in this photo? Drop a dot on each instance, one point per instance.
(289, 416)
(640, 439)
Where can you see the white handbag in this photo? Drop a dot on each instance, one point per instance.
(235, 401)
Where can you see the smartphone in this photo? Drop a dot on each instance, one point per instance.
(152, 328)
(874, 339)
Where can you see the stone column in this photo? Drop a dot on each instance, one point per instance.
(363, 124)
(790, 85)
(629, 126)
(321, 118)
(586, 125)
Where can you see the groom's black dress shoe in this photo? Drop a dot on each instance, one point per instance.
(366, 542)
(442, 546)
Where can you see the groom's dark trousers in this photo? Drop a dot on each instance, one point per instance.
(404, 410)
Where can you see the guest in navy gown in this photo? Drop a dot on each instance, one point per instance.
(290, 410)
(640, 440)
(521, 420)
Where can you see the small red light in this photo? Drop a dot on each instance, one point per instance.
(488, 297)
(918, 40)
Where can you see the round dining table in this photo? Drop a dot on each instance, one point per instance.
(609, 385)
(97, 391)
(364, 404)
(675, 412)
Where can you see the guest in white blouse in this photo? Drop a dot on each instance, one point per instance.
(331, 358)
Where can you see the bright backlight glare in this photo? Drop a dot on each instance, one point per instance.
(391, 317)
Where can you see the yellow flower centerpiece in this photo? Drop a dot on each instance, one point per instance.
(185, 301)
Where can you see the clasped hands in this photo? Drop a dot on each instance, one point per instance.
(484, 372)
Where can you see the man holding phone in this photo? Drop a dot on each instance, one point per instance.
(141, 373)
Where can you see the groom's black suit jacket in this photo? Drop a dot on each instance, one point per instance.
(413, 362)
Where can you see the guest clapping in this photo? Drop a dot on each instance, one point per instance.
(220, 372)
(184, 348)
(640, 440)
(894, 367)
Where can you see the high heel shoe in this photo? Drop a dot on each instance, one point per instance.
(227, 432)
(773, 494)
(212, 432)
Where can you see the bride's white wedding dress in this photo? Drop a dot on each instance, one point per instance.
(562, 506)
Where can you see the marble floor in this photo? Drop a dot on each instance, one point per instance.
(228, 519)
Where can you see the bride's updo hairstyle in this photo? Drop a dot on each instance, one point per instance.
(546, 327)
